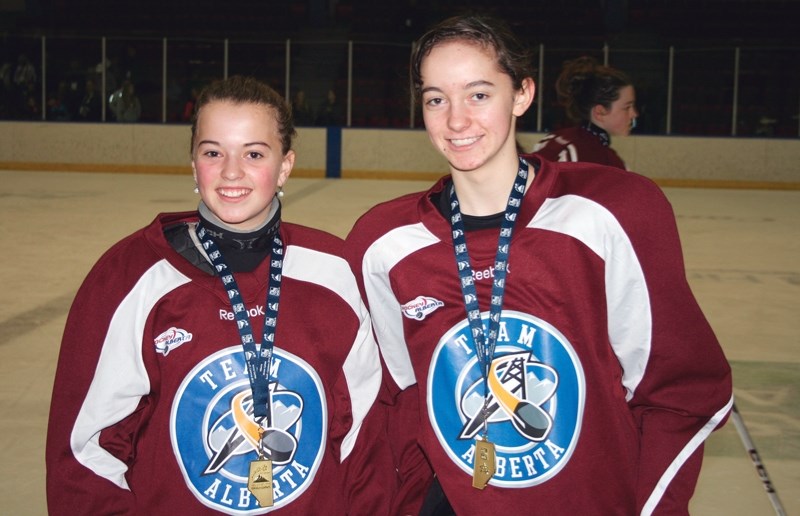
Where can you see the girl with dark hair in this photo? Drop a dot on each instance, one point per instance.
(543, 350)
(601, 102)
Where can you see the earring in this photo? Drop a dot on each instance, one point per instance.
(196, 188)
(279, 193)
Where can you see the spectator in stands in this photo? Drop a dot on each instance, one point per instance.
(330, 112)
(301, 109)
(110, 67)
(25, 72)
(31, 109)
(189, 105)
(125, 104)
(57, 106)
(90, 109)
(601, 102)
(7, 91)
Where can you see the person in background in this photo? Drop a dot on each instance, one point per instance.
(330, 112)
(543, 349)
(23, 92)
(90, 109)
(189, 105)
(601, 103)
(220, 360)
(301, 109)
(125, 104)
(25, 73)
(8, 103)
(57, 106)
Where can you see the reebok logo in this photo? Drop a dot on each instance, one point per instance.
(255, 311)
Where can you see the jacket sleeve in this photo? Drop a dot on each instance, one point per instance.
(101, 391)
(679, 389)
(400, 414)
(89, 445)
(358, 430)
(370, 480)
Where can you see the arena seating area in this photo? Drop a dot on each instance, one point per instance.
(703, 33)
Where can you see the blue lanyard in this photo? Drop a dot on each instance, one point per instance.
(485, 344)
(259, 359)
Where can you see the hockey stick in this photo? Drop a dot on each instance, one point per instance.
(750, 447)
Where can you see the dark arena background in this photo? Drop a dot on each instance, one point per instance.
(705, 67)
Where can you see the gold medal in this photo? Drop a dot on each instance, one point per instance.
(260, 481)
(485, 463)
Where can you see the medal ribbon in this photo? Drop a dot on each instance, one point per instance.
(258, 358)
(485, 344)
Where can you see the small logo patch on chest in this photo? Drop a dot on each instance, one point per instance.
(420, 307)
(171, 339)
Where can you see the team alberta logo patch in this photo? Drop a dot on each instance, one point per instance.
(419, 307)
(214, 436)
(171, 339)
(535, 406)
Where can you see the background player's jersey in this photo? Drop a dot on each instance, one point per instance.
(606, 377)
(152, 406)
(578, 144)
